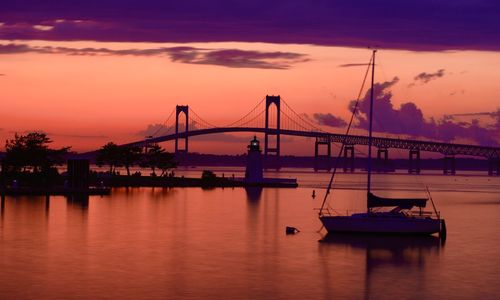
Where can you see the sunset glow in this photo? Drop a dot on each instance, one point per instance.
(85, 100)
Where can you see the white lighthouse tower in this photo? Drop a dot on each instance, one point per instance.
(254, 173)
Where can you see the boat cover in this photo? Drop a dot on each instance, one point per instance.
(405, 203)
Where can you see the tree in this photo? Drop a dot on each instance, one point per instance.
(129, 156)
(166, 162)
(32, 151)
(109, 154)
(157, 158)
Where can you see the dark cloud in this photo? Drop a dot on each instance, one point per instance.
(497, 117)
(425, 77)
(479, 114)
(412, 24)
(236, 58)
(233, 58)
(408, 119)
(329, 120)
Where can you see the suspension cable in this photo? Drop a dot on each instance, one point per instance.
(246, 115)
(164, 125)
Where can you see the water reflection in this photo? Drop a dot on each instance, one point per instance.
(2, 207)
(78, 201)
(387, 258)
(253, 194)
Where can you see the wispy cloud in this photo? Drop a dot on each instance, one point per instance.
(425, 77)
(353, 65)
(233, 58)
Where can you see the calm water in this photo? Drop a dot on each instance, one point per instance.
(189, 243)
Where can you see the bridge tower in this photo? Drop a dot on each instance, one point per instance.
(449, 164)
(382, 162)
(322, 161)
(276, 100)
(178, 110)
(348, 158)
(414, 161)
(494, 166)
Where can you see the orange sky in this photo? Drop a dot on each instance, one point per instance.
(85, 101)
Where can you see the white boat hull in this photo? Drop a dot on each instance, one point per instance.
(383, 224)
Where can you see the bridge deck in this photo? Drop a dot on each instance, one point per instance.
(381, 142)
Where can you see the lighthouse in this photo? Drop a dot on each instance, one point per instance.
(254, 172)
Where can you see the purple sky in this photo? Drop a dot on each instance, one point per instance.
(413, 25)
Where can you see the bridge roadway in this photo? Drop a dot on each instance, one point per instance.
(380, 142)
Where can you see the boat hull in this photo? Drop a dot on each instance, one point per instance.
(381, 225)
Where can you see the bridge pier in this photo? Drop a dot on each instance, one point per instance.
(272, 161)
(322, 161)
(449, 164)
(382, 162)
(178, 110)
(494, 166)
(414, 161)
(348, 158)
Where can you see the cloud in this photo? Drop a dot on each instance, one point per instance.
(157, 130)
(412, 24)
(408, 119)
(233, 58)
(236, 58)
(43, 27)
(497, 117)
(78, 136)
(457, 92)
(425, 77)
(474, 114)
(353, 65)
(329, 120)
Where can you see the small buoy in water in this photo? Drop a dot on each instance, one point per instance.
(291, 230)
(313, 194)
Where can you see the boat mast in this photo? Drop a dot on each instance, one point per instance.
(369, 167)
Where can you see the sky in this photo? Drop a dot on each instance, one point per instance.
(89, 72)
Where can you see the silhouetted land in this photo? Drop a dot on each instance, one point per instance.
(197, 159)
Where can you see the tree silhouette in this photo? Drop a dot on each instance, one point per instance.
(32, 151)
(157, 158)
(129, 156)
(109, 154)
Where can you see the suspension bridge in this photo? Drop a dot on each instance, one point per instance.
(274, 117)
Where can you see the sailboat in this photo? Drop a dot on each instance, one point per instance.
(400, 219)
